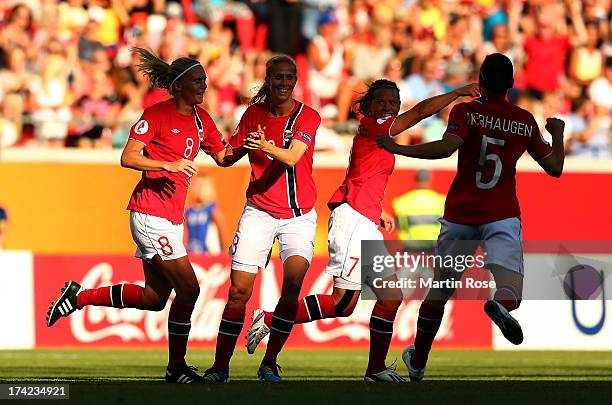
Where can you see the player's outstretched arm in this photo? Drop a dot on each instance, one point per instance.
(429, 107)
(431, 150)
(230, 156)
(553, 162)
(132, 158)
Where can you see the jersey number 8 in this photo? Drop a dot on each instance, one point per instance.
(483, 159)
(188, 148)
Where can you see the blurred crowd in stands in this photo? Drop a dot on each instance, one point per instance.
(67, 76)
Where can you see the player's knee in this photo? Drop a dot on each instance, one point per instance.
(188, 292)
(156, 306)
(238, 296)
(389, 304)
(292, 287)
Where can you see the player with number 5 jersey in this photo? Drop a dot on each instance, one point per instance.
(482, 209)
(162, 145)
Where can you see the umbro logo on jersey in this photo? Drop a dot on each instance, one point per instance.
(175, 131)
(287, 135)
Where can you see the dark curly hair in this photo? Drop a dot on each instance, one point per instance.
(362, 104)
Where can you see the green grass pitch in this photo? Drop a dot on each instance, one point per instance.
(321, 376)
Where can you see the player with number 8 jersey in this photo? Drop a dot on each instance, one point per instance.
(169, 135)
(162, 145)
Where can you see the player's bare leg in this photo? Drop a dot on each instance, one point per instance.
(157, 288)
(231, 324)
(295, 268)
(509, 290)
(340, 303)
(182, 278)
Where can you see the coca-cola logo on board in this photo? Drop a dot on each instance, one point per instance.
(93, 324)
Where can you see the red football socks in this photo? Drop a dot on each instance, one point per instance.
(310, 308)
(428, 323)
(179, 325)
(280, 328)
(118, 296)
(381, 331)
(229, 330)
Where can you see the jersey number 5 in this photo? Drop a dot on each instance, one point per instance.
(483, 159)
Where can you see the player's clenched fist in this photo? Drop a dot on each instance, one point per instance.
(181, 166)
(555, 126)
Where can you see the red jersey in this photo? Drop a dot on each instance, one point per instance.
(369, 170)
(281, 191)
(495, 134)
(170, 136)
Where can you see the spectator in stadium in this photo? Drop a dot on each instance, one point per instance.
(11, 120)
(326, 62)
(591, 132)
(312, 13)
(215, 12)
(3, 228)
(367, 58)
(587, 60)
(96, 112)
(600, 89)
(546, 49)
(420, 31)
(162, 144)
(18, 30)
(284, 30)
(204, 219)
(50, 101)
(500, 42)
(278, 134)
(423, 84)
(16, 76)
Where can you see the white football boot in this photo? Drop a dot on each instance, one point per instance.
(257, 332)
(388, 375)
(415, 374)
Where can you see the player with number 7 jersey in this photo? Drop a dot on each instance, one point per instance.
(162, 145)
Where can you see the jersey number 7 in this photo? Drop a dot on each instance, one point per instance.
(483, 159)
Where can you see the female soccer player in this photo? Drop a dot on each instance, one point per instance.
(481, 207)
(163, 145)
(278, 133)
(356, 214)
